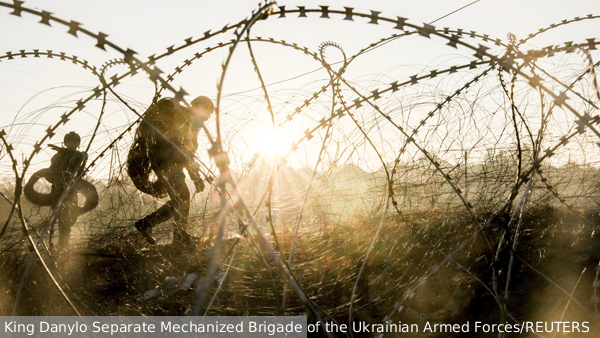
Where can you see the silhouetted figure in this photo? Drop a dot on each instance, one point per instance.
(165, 143)
(66, 164)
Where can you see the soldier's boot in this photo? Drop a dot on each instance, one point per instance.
(181, 237)
(146, 231)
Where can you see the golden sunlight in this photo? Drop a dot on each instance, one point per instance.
(274, 143)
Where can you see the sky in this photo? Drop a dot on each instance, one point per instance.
(35, 92)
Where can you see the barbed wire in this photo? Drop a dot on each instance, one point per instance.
(410, 124)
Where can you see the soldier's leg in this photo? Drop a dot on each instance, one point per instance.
(180, 196)
(145, 224)
(162, 214)
(67, 216)
(64, 227)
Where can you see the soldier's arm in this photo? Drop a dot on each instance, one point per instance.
(192, 169)
(55, 147)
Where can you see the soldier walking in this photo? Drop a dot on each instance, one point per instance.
(165, 143)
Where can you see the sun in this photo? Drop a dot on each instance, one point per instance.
(274, 143)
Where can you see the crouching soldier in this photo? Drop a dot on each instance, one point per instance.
(165, 143)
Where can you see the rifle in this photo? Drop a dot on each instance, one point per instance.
(56, 148)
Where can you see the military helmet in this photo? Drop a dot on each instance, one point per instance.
(203, 101)
(72, 137)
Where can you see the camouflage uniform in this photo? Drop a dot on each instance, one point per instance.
(168, 157)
